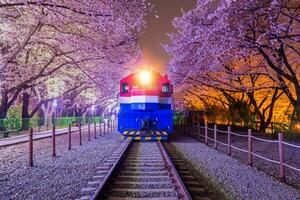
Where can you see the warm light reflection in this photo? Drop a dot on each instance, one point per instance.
(297, 126)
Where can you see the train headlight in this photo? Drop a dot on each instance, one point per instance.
(145, 77)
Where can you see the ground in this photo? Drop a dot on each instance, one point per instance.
(234, 178)
(62, 177)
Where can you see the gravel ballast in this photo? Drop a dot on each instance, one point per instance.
(62, 177)
(268, 150)
(237, 180)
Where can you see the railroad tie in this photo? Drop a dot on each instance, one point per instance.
(88, 190)
(85, 197)
(103, 168)
(94, 182)
(99, 176)
(101, 172)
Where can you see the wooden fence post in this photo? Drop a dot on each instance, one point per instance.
(95, 129)
(206, 140)
(89, 131)
(31, 147)
(80, 138)
(281, 158)
(215, 136)
(250, 148)
(53, 142)
(70, 138)
(229, 140)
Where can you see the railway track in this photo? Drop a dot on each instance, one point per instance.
(140, 171)
(198, 187)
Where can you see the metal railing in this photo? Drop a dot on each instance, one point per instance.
(92, 130)
(182, 128)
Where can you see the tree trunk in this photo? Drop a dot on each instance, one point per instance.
(3, 113)
(25, 111)
(263, 126)
(296, 114)
(3, 109)
(40, 118)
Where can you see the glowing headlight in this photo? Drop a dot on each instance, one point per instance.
(145, 77)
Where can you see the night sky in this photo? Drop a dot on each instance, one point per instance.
(157, 29)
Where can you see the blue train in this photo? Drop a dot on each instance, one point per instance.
(145, 106)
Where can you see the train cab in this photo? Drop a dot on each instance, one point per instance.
(145, 106)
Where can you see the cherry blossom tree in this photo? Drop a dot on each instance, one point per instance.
(216, 35)
(42, 39)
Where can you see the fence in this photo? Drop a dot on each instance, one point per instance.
(14, 125)
(183, 129)
(93, 128)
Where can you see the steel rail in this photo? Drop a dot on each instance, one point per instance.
(183, 192)
(101, 187)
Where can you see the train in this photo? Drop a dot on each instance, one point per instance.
(145, 102)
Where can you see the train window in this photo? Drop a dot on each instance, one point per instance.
(165, 88)
(125, 88)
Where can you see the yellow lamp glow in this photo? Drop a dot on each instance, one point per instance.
(145, 77)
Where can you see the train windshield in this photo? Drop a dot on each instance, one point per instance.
(125, 88)
(165, 88)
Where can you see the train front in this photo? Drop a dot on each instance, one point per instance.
(145, 106)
